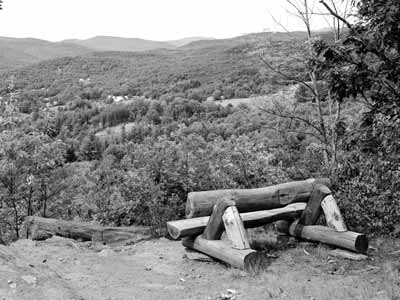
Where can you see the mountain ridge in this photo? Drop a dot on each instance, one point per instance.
(21, 52)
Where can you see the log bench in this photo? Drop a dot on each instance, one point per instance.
(296, 205)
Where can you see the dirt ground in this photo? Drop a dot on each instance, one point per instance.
(160, 269)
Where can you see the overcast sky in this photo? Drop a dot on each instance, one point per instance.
(149, 19)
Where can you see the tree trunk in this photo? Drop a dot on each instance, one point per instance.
(248, 259)
(37, 228)
(200, 204)
(195, 226)
(353, 241)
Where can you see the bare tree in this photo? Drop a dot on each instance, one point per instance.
(319, 125)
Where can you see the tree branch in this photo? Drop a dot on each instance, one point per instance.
(336, 15)
(286, 76)
(281, 115)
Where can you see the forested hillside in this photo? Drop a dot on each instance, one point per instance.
(109, 43)
(220, 68)
(120, 137)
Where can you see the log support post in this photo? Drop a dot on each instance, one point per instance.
(235, 229)
(215, 225)
(313, 209)
(332, 213)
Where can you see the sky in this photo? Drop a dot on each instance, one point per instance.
(161, 20)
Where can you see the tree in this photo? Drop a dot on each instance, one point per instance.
(315, 120)
(363, 67)
(30, 175)
(91, 148)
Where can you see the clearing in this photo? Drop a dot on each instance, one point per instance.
(64, 269)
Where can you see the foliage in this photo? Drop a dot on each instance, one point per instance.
(185, 72)
(31, 175)
(68, 151)
(364, 67)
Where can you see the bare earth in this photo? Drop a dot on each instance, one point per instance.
(159, 269)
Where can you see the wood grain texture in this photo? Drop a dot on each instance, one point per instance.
(215, 225)
(349, 240)
(37, 228)
(200, 204)
(313, 210)
(248, 259)
(195, 226)
(332, 213)
(234, 228)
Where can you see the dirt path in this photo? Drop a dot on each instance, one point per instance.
(159, 269)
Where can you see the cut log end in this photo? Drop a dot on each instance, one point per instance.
(256, 262)
(361, 243)
(173, 232)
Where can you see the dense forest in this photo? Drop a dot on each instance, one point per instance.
(121, 138)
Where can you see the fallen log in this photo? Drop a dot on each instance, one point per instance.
(37, 228)
(247, 259)
(195, 226)
(349, 240)
(200, 204)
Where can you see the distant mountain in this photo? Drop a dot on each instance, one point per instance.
(229, 68)
(188, 40)
(19, 52)
(110, 43)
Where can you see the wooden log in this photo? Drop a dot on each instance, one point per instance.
(349, 240)
(200, 204)
(332, 213)
(234, 228)
(347, 254)
(270, 241)
(215, 225)
(313, 209)
(248, 259)
(37, 228)
(195, 226)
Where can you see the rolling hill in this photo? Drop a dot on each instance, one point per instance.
(19, 52)
(110, 43)
(229, 68)
(188, 40)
